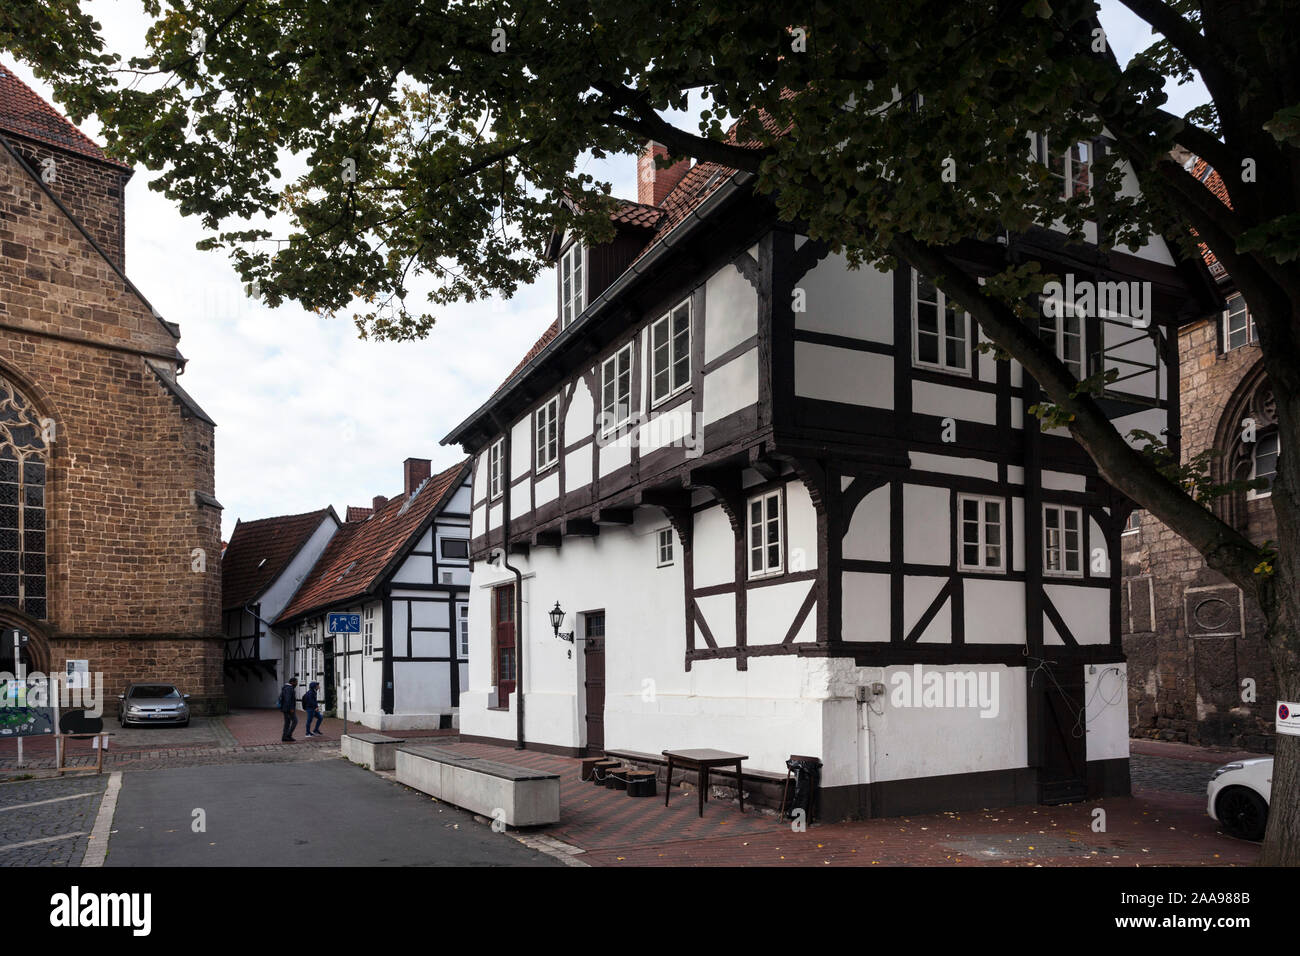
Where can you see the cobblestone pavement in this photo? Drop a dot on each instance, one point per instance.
(1169, 774)
(59, 813)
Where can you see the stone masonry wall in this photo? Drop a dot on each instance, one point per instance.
(1187, 661)
(123, 519)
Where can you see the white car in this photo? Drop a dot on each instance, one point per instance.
(1239, 796)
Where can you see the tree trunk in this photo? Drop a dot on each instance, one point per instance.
(1281, 604)
(1282, 839)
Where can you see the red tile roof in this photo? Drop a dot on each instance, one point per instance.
(636, 214)
(259, 551)
(24, 113)
(355, 513)
(361, 551)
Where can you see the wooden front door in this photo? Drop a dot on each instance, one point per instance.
(503, 640)
(594, 656)
(1062, 745)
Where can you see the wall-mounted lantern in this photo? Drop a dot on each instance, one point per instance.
(557, 618)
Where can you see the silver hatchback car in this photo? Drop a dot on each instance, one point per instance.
(146, 704)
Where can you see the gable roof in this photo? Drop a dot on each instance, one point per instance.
(25, 113)
(260, 550)
(361, 553)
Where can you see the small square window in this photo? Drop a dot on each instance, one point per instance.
(455, 548)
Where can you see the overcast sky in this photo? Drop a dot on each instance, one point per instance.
(307, 414)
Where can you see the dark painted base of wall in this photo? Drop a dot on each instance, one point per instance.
(962, 791)
(528, 745)
(1108, 778)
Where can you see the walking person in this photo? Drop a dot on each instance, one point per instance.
(289, 707)
(311, 704)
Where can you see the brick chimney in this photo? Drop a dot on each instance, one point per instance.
(377, 502)
(653, 183)
(414, 471)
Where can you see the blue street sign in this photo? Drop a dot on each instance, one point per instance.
(345, 623)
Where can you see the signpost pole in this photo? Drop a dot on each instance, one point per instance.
(18, 679)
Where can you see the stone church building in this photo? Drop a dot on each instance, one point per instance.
(1195, 647)
(109, 529)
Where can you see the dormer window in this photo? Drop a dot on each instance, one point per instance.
(573, 286)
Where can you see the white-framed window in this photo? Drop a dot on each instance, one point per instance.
(548, 433)
(616, 389)
(1072, 167)
(766, 544)
(464, 630)
(368, 645)
(573, 283)
(670, 353)
(495, 454)
(982, 528)
(940, 329)
(1264, 462)
(1064, 333)
(1133, 523)
(1063, 541)
(664, 547)
(1238, 324)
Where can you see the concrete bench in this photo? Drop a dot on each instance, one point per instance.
(376, 751)
(526, 797)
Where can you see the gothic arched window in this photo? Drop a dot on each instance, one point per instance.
(24, 456)
(1247, 436)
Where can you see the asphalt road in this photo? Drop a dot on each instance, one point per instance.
(322, 813)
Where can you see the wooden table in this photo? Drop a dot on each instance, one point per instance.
(703, 761)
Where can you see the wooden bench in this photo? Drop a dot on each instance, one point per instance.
(518, 795)
(376, 751)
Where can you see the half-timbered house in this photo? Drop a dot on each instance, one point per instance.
(262, 568)
(403, 566)
(779, 506)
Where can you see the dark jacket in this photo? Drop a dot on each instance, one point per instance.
(309, 701)
(287, 703)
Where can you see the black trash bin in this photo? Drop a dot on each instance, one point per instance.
(806, 773)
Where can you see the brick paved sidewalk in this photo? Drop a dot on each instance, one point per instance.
(239, 736)
(262, 727)
(1156, 827)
